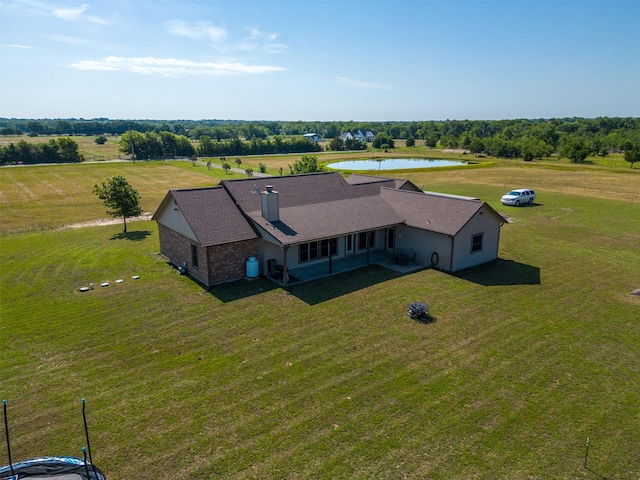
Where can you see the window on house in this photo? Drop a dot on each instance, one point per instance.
(315, 250)
(476, 243)
(328, 246)
(391, 236)
(366, 239)
(194, 256)
(303, 252)
(362, 240)
(324, 248)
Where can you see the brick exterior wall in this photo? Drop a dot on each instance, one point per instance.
(177, 248)
(226, 262)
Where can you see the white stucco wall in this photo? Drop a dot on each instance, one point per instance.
(453, 254)
(270, 250)
(172, 217)
(425, 244)
(482, 222)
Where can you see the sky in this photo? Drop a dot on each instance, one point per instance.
(319, 60)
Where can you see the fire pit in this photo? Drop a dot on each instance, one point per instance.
(418, 310)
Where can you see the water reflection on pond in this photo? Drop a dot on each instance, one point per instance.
(394, 164)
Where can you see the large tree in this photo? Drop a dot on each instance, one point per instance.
(382, 138)
(337, 144)
(68, 150)
(120, 197)
(306, 164)
(631, 153)
(476, 146)
(575, 149)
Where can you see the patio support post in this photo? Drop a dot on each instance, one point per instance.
(330, 261)
(368, 248)
(285, 249)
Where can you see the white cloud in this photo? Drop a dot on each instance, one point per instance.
(172, 67)
(257, 34)
(272, 48)
(255, 41)
(70, 13)
(197, 31)
(77, 13)
(13, 45)
(249, 46)
(67, 39)
(350, 82)
(265, 42)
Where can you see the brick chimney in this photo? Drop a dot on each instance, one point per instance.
(270, 206)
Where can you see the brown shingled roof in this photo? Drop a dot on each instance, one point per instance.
(213, 216)
(303, 223)
(294, 190)
(435, 213)
(314, 206)
(360, 179)
(320, 205)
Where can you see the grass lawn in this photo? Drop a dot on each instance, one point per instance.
(527, 357)
(50, 196)
(87, 145)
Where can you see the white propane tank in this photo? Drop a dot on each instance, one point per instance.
(253, 267)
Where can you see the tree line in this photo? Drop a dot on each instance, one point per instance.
(574, 138)
(256, 146)
(610, 131)
(61, 150)
(152, 145)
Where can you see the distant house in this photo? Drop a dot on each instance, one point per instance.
(294, 221)
(368, 136)
(314, 137)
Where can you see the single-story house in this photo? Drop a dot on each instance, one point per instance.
(314, 137)
(299, 220)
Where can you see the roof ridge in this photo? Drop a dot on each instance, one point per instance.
(291, 176)
(194, 189)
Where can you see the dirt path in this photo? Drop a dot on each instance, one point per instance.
(106, 221)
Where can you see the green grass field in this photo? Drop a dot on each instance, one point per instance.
(45, 197)
(93, 152)
(527, 357)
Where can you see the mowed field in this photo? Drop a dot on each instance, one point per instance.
(527, 356)
(87, 145)
(55, 196)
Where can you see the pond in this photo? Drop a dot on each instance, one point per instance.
(394, 164)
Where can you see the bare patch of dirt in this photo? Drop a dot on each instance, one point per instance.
(106, 221)
(455, 150)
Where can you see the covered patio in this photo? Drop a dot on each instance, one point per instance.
(344, 264)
